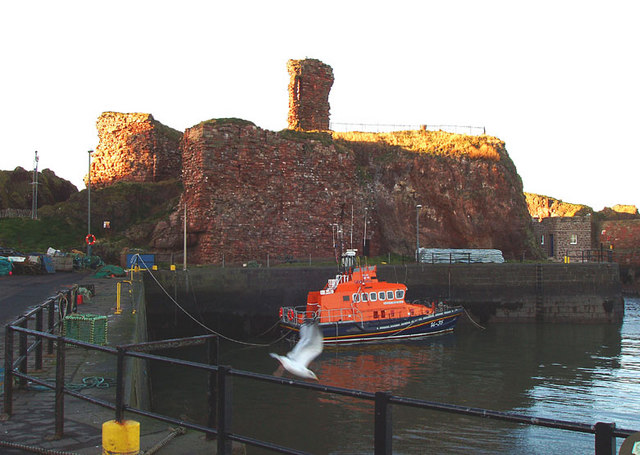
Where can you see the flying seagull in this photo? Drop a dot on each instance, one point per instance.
(307, 349)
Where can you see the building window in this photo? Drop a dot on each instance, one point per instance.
(542, 240)
(574, 239)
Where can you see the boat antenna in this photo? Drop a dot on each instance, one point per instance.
(351, 243)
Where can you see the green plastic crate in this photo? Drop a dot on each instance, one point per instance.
(89, 328)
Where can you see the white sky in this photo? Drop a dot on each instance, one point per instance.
(558, 81)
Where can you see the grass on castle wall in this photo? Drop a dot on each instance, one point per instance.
(433, 142)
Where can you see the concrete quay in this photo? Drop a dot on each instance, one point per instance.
(32, 424)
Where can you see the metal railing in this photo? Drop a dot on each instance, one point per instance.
(220, 392)
(622, 256)
(387, 127)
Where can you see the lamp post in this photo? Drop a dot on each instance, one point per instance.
(418, 207)
(89, 207)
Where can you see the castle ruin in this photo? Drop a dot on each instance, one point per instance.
(309, 85)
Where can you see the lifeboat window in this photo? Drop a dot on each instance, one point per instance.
(365, 297)
(373, 296)
(389, 295)
(375, 315)
(381, 294)
(399, 294)
(392, 313)
(382, 314)
(356, 298)
(345, 298)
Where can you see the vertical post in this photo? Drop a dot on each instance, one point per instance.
(605, 440)
(213, 345)
(51, 323)
(40, 340)
(89, 206)
(224, 409)
(418, 207)
(60, 361)
(382, 424)
(22, 351)
(8, 371)
(120, 386)
(184, 259)
(118, 297)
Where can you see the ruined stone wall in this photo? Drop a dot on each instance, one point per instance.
(309, 86)
(251, 192)
(134, 148)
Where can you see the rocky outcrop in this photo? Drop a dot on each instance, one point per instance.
(134, 148)
(544, 206)
(16, 189)
(251, 192)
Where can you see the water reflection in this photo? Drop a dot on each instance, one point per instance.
(583, 373)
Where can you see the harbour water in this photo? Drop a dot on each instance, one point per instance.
(580, 373)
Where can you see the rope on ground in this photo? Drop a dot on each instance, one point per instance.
(471, 319)
(209, 329)
(33, 449)
(87, 383)
(166, 440)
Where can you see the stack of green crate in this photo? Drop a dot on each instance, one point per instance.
(89, 328)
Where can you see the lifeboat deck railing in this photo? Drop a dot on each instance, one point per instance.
(220, 387)
(298, 315)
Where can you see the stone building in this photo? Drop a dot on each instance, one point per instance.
(560, 237)
(309, 86)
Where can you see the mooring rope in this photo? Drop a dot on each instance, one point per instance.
(175, 432)
(471, 319)
(204, 326)
(34, 449)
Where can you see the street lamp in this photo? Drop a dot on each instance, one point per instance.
(89, 208)
(418, 207)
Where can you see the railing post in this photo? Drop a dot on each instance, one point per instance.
(382, 424)
(22, 352)
(51, 316)
(213, 344)
(224, 409)
(60, 366)
(605, 440)
(39, 341)
(8, 371)
(120, 385)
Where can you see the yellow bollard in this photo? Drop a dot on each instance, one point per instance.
(173, 267)
(154, 267)
(118, 289)
(121, 438)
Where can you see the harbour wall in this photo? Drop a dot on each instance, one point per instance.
(246, 300)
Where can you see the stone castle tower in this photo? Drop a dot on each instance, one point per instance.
(309, 85)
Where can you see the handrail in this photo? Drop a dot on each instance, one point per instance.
(220, 390)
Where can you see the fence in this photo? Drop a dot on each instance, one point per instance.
(631, 256)
(385, 128)
(220, 390)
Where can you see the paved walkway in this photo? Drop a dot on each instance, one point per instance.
(33, 422)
